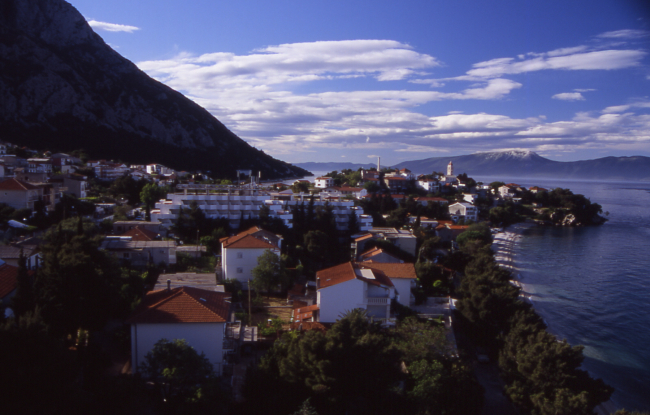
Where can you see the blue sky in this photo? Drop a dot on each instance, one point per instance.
(353, 80)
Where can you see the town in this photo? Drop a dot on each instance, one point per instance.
(144, 289)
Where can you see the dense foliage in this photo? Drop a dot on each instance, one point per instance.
(356, 367)
(542, 373)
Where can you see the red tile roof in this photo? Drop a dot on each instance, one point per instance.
(375, 251)
(248, 239)
(182, 305)
(347, 272)
(140, 234)
(335, 275)
(13, 184)
(393, 270)
(8, 274)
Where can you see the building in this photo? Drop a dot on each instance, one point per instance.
(75, 185)
(463, 210)
(402, 275)
(39, 165)
(198, 316)
(239, 253)
(348, 286)
(19, 194)
(122, 226)
(141, 253)
(245, 202)
(430, 185)
(323, 182)
(402, 239)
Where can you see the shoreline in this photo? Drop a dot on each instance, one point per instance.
(503, 245)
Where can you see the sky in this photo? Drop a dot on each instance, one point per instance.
(350, 81)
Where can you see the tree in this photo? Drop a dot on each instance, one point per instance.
(77, 284)
(149, 195)
(269, 272)
(177, 369)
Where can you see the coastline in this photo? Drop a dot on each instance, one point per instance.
(503, 245)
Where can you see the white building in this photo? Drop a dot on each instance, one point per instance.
(430, 185)
(198, 316)
(462, 210)
(323, 182)
(402, 276)
(348, 286)
(236, 202)
(239, 253)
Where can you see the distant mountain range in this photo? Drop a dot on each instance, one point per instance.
(62, 88)
(520, 164)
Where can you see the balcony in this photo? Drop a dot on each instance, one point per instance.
(377, 300)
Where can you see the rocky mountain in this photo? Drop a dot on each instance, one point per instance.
(530, 164)
(63, 88)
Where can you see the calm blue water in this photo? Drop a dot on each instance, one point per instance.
(592, 285)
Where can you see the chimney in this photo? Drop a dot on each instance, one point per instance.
(169, 285)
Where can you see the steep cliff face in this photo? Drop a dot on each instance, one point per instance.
(62, 87)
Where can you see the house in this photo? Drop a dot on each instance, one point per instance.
(402, 275)
(196, 315)
(406, 173)
(447, 232)
(141, 233)
(39, 165)
(404, 240)
(239, 253)
(347, 286)
(76, 185)
(19, 194)
(395, 182)
(424, 200)
(378, 255)
(141, 253)
(121, 226)
(430, 185)
(463, 210)
(323, 182)
(110, 171)
(10, 254)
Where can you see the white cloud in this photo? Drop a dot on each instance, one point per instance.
(625, 34)
(569, 96)
(594, 60)
(256, 95)
(112, 27)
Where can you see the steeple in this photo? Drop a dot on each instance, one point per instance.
(450, 169)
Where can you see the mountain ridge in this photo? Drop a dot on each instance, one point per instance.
(62, 88)
(528, 164)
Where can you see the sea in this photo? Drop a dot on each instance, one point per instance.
(592, 284)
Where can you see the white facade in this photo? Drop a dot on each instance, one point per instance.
(234, 202)
(430, 185)
(403, 290)
(203, 337)
(323, 182)
(336, 300)
(238, 263)
(463, 210)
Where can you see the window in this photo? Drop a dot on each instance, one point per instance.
(240, 255)
(240, 271)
